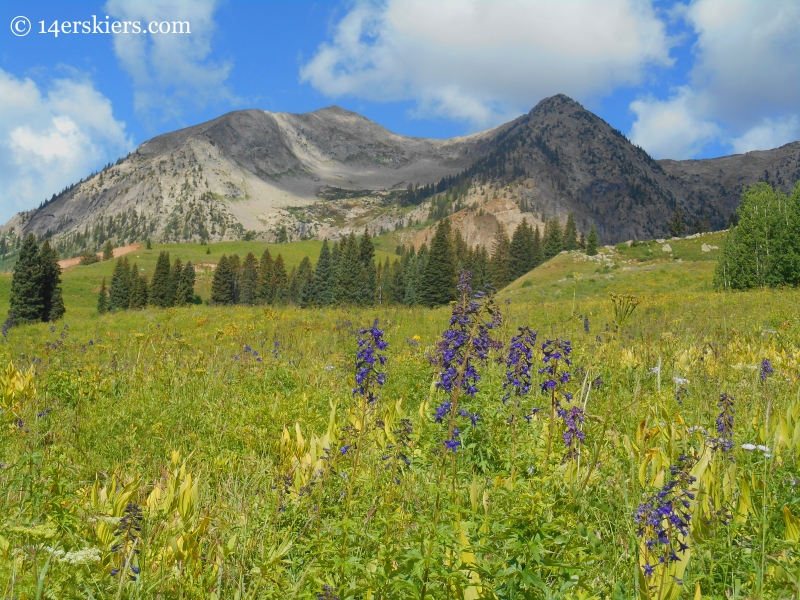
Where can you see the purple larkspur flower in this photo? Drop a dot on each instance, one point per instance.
(368, 359)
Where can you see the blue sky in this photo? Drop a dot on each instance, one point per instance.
(691, 79)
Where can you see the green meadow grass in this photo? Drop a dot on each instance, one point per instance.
(236, 462)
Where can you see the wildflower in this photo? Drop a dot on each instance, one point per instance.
(748, 446)
(442, 411)
(81, 557)
(723, 440)
(7, 325)
(453, 443)
(655, 370)
(367, 357)
(327, 593)
(573, 418)
(474, 418)
(680, 381)
(766, 369)
(127, 534)
(275, 347)
(663, 519)
(519, 362)
(586, 324)
(344, 449)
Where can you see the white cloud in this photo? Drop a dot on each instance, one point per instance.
(671, 128)
(171, 71)
(742, 92)
(770, 133)
(51, 138)
(486, 60)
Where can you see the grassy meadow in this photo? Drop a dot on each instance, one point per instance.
(220, 452)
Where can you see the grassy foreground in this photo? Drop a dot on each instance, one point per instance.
(218, 433)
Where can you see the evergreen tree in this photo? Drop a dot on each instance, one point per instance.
(591, 243)
(553, 239)
(520, 252)
(27, 303)
(461, 251)
(108, 250)
(52, 296)
(479, 266)
(350, 272)
(248, 281)
(264, 291)
(223, 283)
(582, 242)
(404, 284)
(174, 281)
(570, 234)
(676, 226)
(537, 250)
(235, 265)
(138, 298)
(369, 284)
(437, 284)
(185, 293)
(303, 284)
(102, 299)
(322, 288)
(385, 283)
(119, 292)
(283, 237)
(148, 246)
(159, 285)
(499, 262)
(279, 281)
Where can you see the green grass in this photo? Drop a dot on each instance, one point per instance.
(500, 518)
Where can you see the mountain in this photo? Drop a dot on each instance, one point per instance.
(249, 173)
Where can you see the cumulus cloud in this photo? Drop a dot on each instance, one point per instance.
(171, 72)
(485, 61)
(741, 92)
(52, 137)
(671, 128)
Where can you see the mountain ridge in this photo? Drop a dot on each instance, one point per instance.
(327, 172)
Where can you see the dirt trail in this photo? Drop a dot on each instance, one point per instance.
(121, 251)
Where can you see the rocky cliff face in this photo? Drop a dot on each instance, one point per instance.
(325, 173)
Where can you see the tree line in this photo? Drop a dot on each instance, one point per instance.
(346, 272)
(36, 293)
(763, 248)
(130, 289)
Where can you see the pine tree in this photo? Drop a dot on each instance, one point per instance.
(385, 286)
(437, 285)
(248, 281)
(279, 281)
(537, 250)
(405, 282)
(222, 284)
(676, 226)
(52, 296)
(520, 252)
(570, 233)
(264, 291)
(174, 281)
(119, 292)
(26, 298)
(480, 268)
(461, 251)
(499, 262)
(553, 239)
(283, 237)
(350, 272)
(102, 299)
(148, 246)
(591, 243)
(159, 285)
(322, 292)
(582, 242)
(138, 289)
(185, 293)
(303, 281)
(108, 250)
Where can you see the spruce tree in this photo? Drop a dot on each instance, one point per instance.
(369, 283)
(676, 226)
(591, 243)
(138, 298)
(321, 294)
(264, 291)
(108, 250)
(304, 281)
(499, 262)
(159, 285)
(278, 281)
(537, 251)
(385, 285)
(480, 268)
(582, 242)
(185, 293)
(52, 296)
(520, 252)
(553, 239)
(248, 281)
(175, 275)
(570, 233)
(437, 284)
(102, 299)
(222, 284)
(406, 290)
(350, 272)
(119, 292)
(148, 246)
(27, 303)
(235, 265)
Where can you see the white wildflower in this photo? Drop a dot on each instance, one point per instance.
(655, 370)
(81, 557)
(680, 380)
(748, 446)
